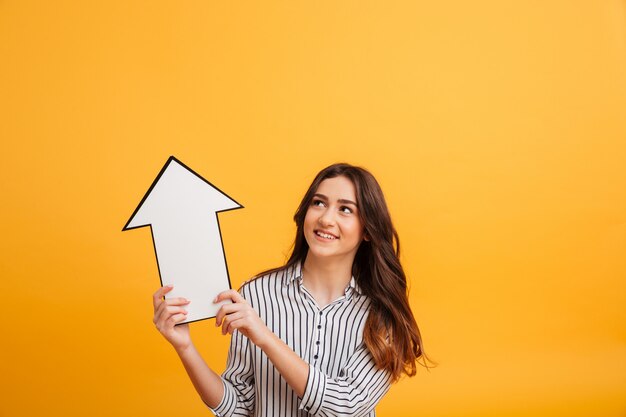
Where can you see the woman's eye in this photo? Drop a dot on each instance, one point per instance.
(317, 203)
(346, 210)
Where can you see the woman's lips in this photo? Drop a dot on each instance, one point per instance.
(326, 236)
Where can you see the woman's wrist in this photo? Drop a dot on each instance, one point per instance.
(184, 350)
(268, 339)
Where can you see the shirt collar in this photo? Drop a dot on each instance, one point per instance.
(294, 273)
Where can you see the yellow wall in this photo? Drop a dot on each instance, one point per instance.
(497, 130)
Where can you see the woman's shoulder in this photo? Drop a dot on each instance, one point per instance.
(265, 278)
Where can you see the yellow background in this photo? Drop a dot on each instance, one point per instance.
(497, 130)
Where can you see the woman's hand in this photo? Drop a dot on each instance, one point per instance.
(169, 312)
(241, 316)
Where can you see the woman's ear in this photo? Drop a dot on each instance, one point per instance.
(366, 237)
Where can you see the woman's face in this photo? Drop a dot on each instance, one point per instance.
(332, 225)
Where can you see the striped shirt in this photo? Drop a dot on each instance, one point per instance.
(343, 379)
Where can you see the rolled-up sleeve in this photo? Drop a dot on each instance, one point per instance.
(238, 380)
(355, 392)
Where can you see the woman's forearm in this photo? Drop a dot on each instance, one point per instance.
(239, 315)
(207, 383)
(291, 366)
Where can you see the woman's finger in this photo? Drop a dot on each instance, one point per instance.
(158, 312)
(225, 310)
(174, 310)
(233, 325)
(161, 311)
(178, 301)
(158, 295)
(165, 321)
(229, 319)
(176, 318)
(168, 312)
(233, 295)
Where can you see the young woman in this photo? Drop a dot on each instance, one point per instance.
(327, 333)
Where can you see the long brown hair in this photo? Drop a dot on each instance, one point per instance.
(391, 333)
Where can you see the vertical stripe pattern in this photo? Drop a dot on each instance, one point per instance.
(343, 379)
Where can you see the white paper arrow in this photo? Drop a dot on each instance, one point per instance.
(181, 209)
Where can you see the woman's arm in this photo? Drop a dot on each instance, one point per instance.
(241, 316)
(207, 383)
(166, 314)
(356, 392)
(291, 366)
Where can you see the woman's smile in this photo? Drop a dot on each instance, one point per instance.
(323, 235)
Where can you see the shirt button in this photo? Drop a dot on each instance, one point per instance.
(317, 342)
(321, 313)
(315, 357)
(319, 326)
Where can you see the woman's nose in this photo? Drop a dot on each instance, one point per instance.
(327, 218)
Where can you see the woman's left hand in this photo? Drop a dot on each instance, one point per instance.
(241, 316)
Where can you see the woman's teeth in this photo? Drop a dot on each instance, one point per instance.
(325, 235)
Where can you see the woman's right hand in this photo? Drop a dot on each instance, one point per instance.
(167, 313)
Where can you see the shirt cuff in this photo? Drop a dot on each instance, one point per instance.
(228, 403)
(314, 391)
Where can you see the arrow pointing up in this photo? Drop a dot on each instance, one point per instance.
(181, 209)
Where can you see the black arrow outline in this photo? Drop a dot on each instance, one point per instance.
(156, 180)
